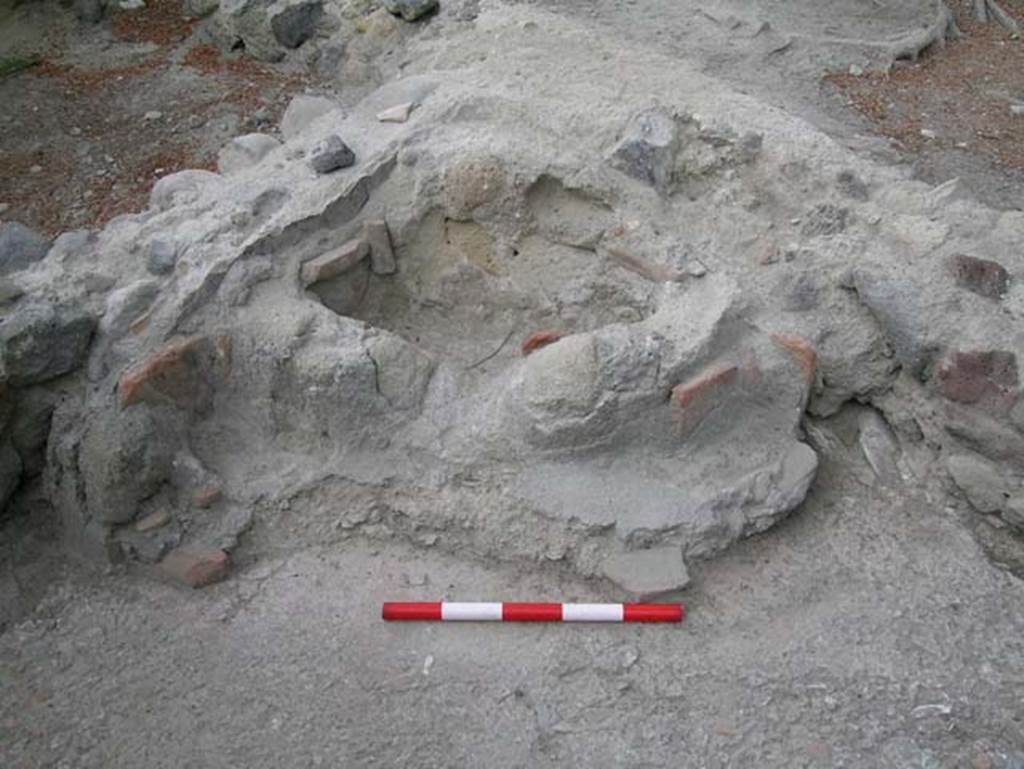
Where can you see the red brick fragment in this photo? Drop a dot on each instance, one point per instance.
(692, 401)
(182, 372)
(985, 378)
(768, 255)
(153, 521)
(803, 351)
(645, 268)
(335, 262)
(699, 388)
(207, 496)
(980, 276)
(539, 339)
(196, 568)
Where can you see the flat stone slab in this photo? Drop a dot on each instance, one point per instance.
(645, 505)
(397, 114)
(334, 263)
(648, 573)
(196, 568)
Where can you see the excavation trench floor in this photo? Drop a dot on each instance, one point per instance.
(866, 631)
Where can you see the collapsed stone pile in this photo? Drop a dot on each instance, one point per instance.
(575, 325)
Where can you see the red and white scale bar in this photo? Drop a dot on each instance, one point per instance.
(446, 611)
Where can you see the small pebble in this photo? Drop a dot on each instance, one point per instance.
(397, 114)
(35, 170)
(261, 117)
(696, 268)
(330, 155)
(163, 255)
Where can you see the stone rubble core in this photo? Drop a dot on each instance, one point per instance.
(510, 332)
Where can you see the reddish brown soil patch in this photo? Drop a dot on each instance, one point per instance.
(85, 141)
(89, 80)
(958, 95)
(159, 21)
(32, 188)
(246, 80)
(131, 190)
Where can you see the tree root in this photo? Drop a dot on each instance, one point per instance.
(986, 10)
(942, 28)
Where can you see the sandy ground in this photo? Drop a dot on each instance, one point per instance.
(867, 631)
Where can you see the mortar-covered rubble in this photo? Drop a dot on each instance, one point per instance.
(682, 296)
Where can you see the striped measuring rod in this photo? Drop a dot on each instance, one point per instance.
(445, 611)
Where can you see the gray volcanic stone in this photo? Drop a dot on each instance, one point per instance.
(163, 255)
(330, 155)
(20, 247)
(42, 341)
(332, 57)
(296, 23)
(410, 10)
(647, 152)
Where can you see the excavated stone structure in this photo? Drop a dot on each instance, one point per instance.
(527, 323)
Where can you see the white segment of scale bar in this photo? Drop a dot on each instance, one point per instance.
(592, 612)
(470, 612)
